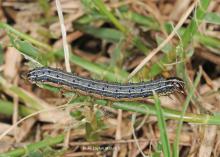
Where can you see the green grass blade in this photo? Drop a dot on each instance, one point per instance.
(24, 36)
(50, 141)
(103, 10)
(96, 68)
(162, 126)
(146, 21)
(213, 18)
(108, 34)
(187, 37)
(6, 108)
(185, 106)
(34, 55)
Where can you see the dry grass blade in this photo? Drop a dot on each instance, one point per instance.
(63, 30)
